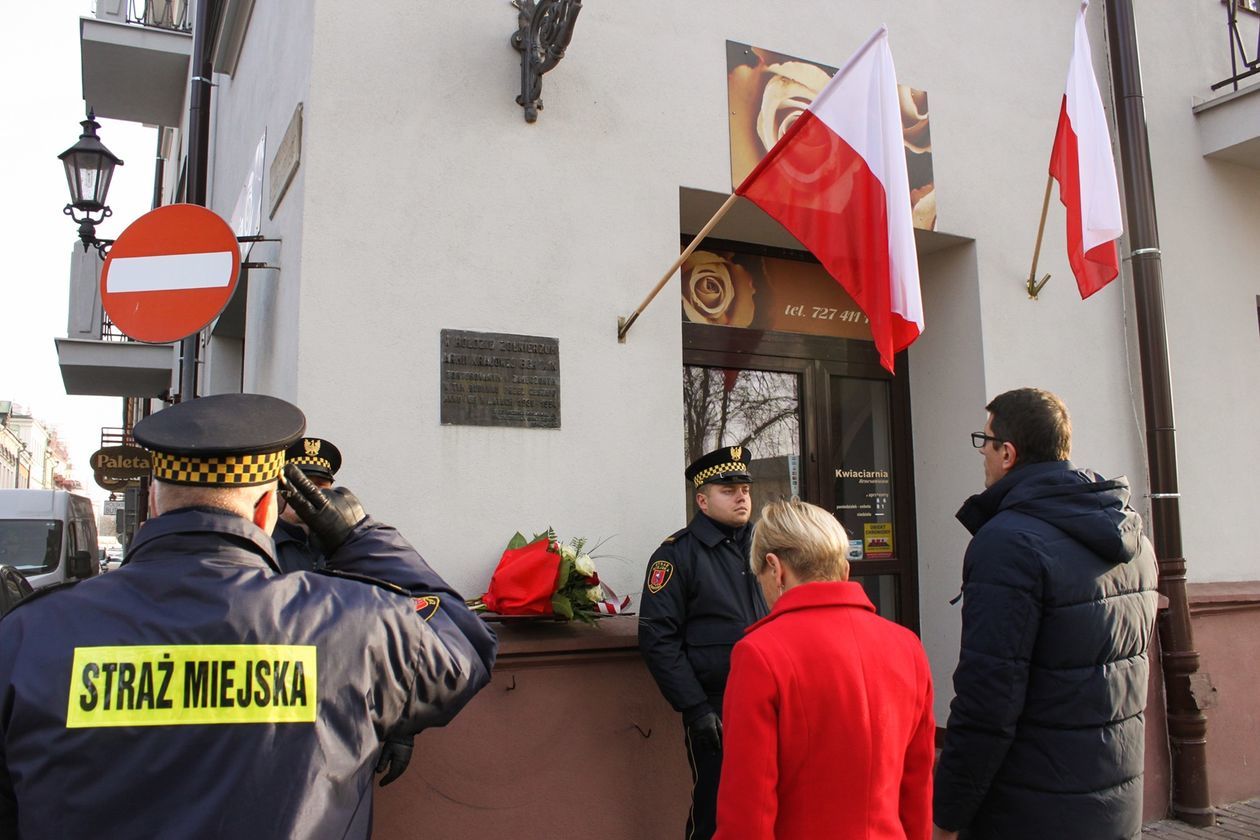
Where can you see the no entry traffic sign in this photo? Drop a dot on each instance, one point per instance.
(170, 273)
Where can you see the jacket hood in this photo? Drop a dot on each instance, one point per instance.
(1092, 510)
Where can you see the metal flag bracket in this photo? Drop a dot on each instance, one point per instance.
(1034, 285)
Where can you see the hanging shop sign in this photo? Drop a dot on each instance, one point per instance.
(119, 467)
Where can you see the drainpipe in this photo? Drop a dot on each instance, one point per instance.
(159, 164)
(198, 161)
(1187, 726)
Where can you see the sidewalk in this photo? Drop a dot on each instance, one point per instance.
(1233, 822)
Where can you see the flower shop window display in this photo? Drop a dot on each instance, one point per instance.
(546, 578)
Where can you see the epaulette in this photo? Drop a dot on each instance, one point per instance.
(384, 584)
(42, 591)
(672, 538)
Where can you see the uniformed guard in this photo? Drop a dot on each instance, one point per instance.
(319, 461)
(698, 598)
(197, 692)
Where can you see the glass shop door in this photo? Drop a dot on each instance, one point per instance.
(823, 423)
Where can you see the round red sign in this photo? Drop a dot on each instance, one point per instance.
(170, 273)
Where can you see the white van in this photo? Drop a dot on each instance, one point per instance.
(48, 535)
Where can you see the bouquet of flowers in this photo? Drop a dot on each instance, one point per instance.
(545, 577)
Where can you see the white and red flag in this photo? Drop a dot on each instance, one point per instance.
(1083, 165)
(837, 181)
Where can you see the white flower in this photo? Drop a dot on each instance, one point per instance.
(595, 594)
(568, 552)
(584, 565)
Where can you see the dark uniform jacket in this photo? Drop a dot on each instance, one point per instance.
(293, 548)
(197, 693)
(1046, 731)
(698, 598)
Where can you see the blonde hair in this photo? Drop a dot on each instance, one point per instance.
(806, 538)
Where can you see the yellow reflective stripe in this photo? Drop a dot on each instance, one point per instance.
(170, 685)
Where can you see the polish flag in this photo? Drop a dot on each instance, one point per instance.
(837, 181)
(1086, 171)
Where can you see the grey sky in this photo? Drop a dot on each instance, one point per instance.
(41, 102)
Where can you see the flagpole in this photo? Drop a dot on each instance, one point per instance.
(624, 324)
(1035, 286)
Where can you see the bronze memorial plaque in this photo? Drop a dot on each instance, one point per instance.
(498, 379)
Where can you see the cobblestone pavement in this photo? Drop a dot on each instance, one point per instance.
(1233, 822)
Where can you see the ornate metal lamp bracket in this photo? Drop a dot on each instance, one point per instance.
(544, 29)
(87, 229)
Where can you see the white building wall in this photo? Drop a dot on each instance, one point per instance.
(1208, 211)
(424, 201)
(948, 395)
(271, 80)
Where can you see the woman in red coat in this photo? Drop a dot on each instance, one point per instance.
(828, 712)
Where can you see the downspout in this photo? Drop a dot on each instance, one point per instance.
(198, 162)
(159, 169)
(1187, 726)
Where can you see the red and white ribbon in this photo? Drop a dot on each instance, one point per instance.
(610, 605)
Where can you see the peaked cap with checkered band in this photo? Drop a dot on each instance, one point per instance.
(314, 456)
(728, 465)
(226, 440)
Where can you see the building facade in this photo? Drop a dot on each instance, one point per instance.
(31, 454)
(15, 460)
(423, 236)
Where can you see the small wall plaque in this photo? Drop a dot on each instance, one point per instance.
(285, 164)
(500, 379)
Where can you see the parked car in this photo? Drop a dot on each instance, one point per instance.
(13, 588)
(48, 535)
(112, 557)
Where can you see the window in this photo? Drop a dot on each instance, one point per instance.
(32, 546)
(759, 409)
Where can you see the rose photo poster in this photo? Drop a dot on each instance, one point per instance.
(735, 289)
(767, 91)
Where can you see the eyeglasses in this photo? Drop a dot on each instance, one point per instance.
(978, 439)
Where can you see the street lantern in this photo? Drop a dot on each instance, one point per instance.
(89, 169)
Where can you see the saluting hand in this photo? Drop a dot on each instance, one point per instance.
(331, 514)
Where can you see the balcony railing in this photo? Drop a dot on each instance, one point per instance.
(159, 14)
(116, 436)
(1240, 65)
(109, 332)
(164, 14)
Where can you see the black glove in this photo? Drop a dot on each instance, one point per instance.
(395, 756)
(330, 514)
(706, 733)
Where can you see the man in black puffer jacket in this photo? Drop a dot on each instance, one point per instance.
(1046, 731)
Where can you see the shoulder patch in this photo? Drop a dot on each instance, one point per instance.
(659, 575)
(42, 591)
(383, 584)
(427, 606)
(673, 538)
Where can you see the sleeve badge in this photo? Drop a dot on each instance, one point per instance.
(661, 572)
(427, 606)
